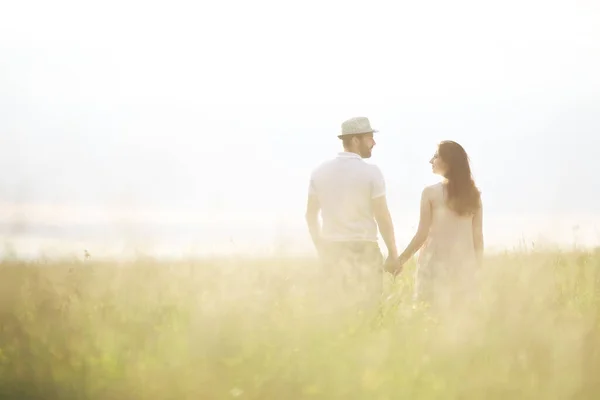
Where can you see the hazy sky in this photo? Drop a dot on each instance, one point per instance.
(193, 107)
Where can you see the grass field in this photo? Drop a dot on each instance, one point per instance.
(280, 329)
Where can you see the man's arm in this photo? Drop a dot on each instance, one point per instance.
(312, 219)
(478, 235)
(386, 226)
(313, 207)
(381, 213)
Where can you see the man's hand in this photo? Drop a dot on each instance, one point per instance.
(319, 246)
(392, 265)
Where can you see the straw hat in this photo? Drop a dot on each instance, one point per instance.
(356, 126)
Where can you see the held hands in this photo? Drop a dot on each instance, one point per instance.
(394, 265)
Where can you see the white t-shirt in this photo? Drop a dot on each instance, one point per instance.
(345, 187)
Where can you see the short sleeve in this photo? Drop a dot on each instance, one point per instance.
(377, 183)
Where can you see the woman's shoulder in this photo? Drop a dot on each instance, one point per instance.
(435, 188)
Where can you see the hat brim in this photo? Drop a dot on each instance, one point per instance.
(357, 133)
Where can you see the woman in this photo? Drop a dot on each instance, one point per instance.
(450, 229)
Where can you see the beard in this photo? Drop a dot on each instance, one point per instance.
(365, 153)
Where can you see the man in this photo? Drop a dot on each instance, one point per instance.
(351, 196)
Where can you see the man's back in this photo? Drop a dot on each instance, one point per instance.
(345, 187)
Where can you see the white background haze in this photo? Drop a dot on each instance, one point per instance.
(204, 119)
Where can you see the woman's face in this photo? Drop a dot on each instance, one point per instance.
(437, 164)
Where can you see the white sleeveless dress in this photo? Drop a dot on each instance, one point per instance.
(446, 265)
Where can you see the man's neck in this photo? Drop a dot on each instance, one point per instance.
(351, 152)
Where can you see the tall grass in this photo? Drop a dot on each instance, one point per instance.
(283, 329)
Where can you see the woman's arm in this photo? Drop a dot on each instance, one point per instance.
(423, 230)
(478, 235)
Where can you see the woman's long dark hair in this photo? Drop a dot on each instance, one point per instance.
(463, 196)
